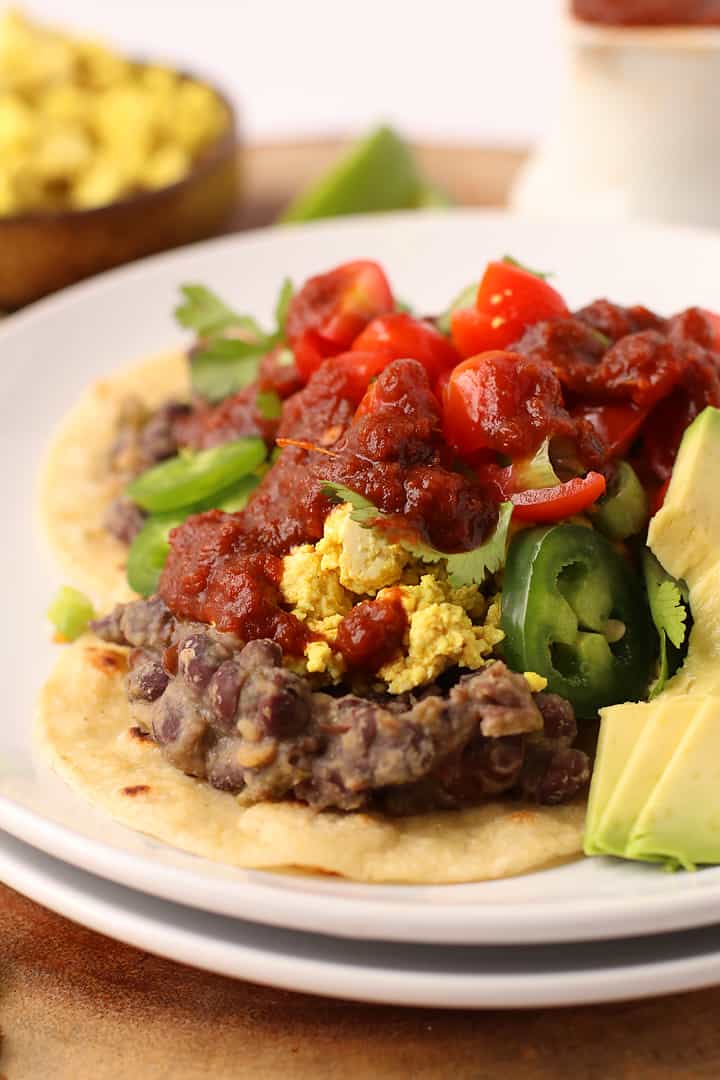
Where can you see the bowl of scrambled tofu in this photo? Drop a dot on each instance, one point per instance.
(103, 159)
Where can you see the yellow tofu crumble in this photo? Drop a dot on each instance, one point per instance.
(81, 126)
(446, 626)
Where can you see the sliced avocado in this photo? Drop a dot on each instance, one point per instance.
(660, 726)
(378, 173)
(655, 793)
(680, 822)
(620, 730)
(685, 533)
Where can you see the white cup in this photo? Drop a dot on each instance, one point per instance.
(638, 130)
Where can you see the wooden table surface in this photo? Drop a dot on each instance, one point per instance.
(77, 1006)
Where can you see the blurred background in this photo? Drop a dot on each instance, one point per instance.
(128, 128)
(463, 70)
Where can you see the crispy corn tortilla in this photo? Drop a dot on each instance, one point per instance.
(77, 485)
(91, 735)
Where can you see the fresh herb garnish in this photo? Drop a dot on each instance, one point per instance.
(205, 313)
(537, 471)
(669, 613)
(464, 299)
(70, 613)
(463, 568)
(542, 274)
(363, 511)
(222, 364)
(268, 404)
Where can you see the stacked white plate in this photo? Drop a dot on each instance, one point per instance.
(588, 931)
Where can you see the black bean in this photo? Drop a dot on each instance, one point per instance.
(558, 718)
(224, 691)
(199, 657)
(180, 728)
(147, 679)
(567, 774)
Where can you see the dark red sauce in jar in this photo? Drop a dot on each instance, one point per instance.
(649, 12)
(372, 633)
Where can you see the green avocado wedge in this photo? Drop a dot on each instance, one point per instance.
(655, 792)
(377, 173)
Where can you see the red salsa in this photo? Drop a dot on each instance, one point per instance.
(649, 12)
(433, 441)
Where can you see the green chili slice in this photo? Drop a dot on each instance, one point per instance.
(70, 612)
(149, 550)
(193, 476)
(574, 611)
(623, 509)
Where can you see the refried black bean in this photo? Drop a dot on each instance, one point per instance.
(124, 519)
(231, 713)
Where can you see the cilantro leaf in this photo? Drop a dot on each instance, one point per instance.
(222, 365)
(225, 366)
(208, 315)
(464, 567)
(282, 304)
(669, 613)
(471, 567)
(268, 404)
(542, 274)
(536, 471)
(363, 511)
(464, 299)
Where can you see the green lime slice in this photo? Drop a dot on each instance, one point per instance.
(377, 173)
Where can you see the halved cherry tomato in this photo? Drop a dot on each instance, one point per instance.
(310, 351)
(714, 319)
(338, 304)
(561, 501)
(369, 402)
(361, 369)
(508, 299)
(617, 425)
(505, 402)
(401, 337)
(441, 384)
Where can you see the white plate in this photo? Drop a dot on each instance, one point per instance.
(395, 973)
(50, 352)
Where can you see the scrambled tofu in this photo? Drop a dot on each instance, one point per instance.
(446, 626)
(440, 635)
(81, 126)
(363, 559)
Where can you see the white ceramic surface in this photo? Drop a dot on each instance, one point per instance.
(394, 973)
(635, 135)
(47, 355)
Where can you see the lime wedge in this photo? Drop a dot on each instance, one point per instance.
(377, 173)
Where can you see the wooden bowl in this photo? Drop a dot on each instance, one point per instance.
(42, 252)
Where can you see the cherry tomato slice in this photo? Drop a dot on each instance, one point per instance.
(509, 298)
(399, 336)
(617, 425)
(505, 402)
(360, 370)
(561, 501)
(311, 350)
(714, 319)
(338, 304)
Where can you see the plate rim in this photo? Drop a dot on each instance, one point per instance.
(325, 976)
(359, 917)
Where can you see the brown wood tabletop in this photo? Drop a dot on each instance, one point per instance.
(78, 1006)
